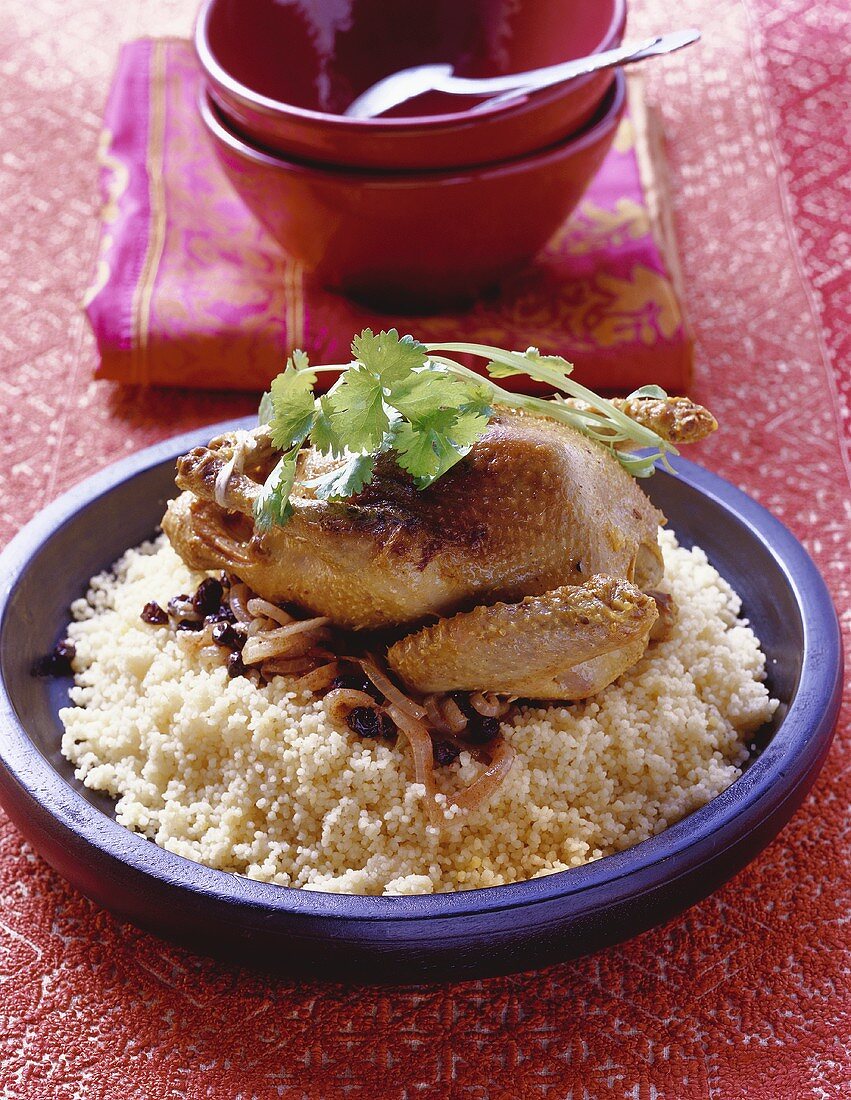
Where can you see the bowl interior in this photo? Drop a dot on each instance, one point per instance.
(318, 56)
(129, 512)
(606, 116)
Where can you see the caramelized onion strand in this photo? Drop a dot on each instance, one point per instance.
(320, 678)
(453, 716)
(423, 752)
(258, 606)
(484, 785)
(489, 705)
(388, 689)
(434, 714)
(240, 594)
(342, 700)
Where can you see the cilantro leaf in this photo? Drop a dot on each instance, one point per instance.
(502, 370)
(266, 410)
(468, 429)
(323, 436)
(529, 362)
(417, 452)
(639, 465)
(428, 449)
(386, 356)
(556, 362)
(356, 410)
(347, 480)
(649, 391)
(292, 403)
(272, 507)
(420, 394)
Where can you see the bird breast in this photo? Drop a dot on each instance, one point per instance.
(534, 506)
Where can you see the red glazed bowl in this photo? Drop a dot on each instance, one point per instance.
(415, 241)
(281, 73)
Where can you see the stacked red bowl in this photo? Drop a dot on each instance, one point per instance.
(419, 208)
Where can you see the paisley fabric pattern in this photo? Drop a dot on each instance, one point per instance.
(746, 996)
(216, 304)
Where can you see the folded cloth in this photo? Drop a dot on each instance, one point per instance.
(191, 291)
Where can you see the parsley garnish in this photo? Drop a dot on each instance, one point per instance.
(413, 399)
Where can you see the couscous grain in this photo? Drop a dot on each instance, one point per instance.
(256, 780)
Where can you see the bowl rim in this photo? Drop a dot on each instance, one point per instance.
(247, 97)
(594, 132)
(772, 778)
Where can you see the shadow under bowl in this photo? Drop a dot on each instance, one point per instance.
(415, 242)
(405, 939)
(282, 74)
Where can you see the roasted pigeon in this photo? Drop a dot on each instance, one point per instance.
(531, 567)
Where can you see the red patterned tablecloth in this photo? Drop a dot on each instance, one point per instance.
(747, 994)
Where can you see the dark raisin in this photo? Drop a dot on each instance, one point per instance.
(57, 662)
(363, 721)
(236, 666)
(208, 596)
(225, 635)
(358, 681)
(190, 624)
(462, 699)
(222, 614)
(371, 723)
(445, 753)
(480, 730)
(155, 615)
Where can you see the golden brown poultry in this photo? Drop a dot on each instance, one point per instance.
(535, 554)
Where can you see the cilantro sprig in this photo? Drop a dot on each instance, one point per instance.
(596, 417)
(413, 399)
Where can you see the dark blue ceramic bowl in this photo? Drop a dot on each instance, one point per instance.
(448, 936)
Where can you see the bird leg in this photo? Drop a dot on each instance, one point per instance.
(675, 419)
(200, 472)
(207, 537)
(566, 644)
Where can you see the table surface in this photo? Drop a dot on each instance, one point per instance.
(747, 994)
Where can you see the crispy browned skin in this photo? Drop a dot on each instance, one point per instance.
(565, 644)
(534, 506)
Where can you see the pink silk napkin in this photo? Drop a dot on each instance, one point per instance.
(191, 291)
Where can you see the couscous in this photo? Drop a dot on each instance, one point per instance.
(258, 780)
